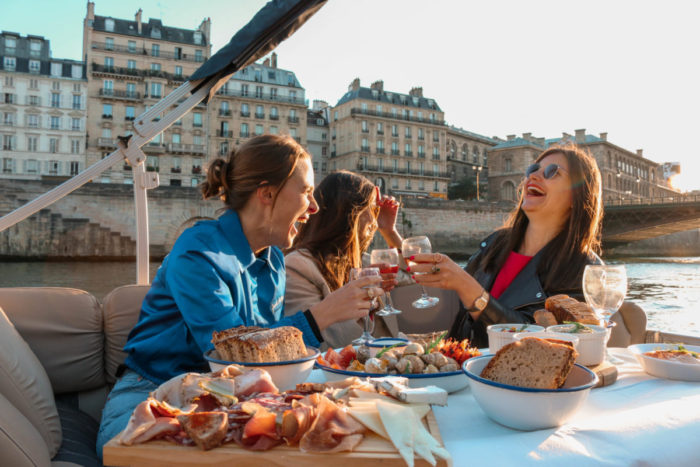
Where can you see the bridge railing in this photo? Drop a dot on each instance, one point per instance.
(680, 198)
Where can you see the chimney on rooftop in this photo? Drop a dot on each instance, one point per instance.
(540, 141)
(640, 152)
(416, 92)
(527, 136)
(137, 18)
(266, 62)
(378, 85)
(565, 137)
(205, 28)
(91, 10)
(355, 85)
(273, 60)
(510, 137)
(604, 136)
(581, 136)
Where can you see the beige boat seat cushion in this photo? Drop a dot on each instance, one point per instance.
(25, 385)
(63, 327)
(631, 325)
(121, 312)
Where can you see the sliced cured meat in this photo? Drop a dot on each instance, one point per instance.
(254, 381)
(207, 429)
(333, 430)
(146, 423)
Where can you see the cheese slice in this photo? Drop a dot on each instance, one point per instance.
(398, 423)
(369, 417)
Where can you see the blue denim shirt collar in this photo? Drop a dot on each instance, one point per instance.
(233, 231)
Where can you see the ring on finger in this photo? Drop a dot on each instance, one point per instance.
(434, 269)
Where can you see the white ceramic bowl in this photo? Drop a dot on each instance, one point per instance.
(285, 375)
(528, 409)
(666, 368)
(591, 346)
(383, 342)
(498, 338)
(573, 338)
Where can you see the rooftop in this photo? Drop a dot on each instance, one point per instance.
(154, 29)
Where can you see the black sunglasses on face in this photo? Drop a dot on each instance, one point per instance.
(550, 171)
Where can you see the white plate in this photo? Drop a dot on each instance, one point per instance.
(451, 381)
(666, 368)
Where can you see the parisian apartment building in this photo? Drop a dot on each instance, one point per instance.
(318, 137)
(626, 175)
(467, 158)
(260, 98)
(396, 140)
(43, 110)
(131, 65)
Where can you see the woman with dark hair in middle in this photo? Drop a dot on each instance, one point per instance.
(350, 211)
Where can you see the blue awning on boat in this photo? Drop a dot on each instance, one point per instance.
(275, 22)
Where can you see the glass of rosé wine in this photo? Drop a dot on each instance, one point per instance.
(390, 259)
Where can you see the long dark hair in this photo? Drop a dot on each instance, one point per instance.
(565, 256)
(332, 235)
(264, 159)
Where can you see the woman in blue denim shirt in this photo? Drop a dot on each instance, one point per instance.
(228, 272)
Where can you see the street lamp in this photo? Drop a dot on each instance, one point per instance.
(477, 169)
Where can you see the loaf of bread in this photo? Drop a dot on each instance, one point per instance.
(258, 345)
(544, 318)
(565, 308)
(532, 363)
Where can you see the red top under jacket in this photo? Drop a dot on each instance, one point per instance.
(513, 265)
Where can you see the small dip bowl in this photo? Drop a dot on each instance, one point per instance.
(591, 345)
(383, 342)
(502, 334)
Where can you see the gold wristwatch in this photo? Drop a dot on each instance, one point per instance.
(481, 301)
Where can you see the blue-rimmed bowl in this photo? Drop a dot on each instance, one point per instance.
(285, 375)
(528, 409)
(383, 342)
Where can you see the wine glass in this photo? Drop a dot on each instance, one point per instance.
(412, 246)
(605, 287)
(368, 323)
(391, 257)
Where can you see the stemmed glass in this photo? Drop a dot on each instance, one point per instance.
(391, 257)
(605, 287)
(368, 323)
(412, 246)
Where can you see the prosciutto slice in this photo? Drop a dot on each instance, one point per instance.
(151, 419)
(333, 430)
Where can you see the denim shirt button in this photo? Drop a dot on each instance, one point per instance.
(539, 295)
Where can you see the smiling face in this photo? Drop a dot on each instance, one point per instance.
(295, 203)
(550, 198)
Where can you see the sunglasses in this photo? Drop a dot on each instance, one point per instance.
(550, 171)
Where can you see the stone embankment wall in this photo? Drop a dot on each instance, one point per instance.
(98, 222)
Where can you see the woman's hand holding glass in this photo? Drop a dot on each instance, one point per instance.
(411, 247)
(357, 274)
(350, 302)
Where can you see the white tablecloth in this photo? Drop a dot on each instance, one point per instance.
(639, 420)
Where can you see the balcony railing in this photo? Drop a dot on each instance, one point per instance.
(224, 112)
(364, 149)
(186, 148)
(142, 51)
(263, 96)
(257, 115)
(196, 169)
(357, 111)
(105, 142)
(293, 119)
(120, 94)
(244, 134)
(154, 147)
(175, 170)
(245, 114)
(224, 134)
(380, 150)
(134, 72)
(402, 171)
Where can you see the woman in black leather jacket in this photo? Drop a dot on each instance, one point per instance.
(541, 251)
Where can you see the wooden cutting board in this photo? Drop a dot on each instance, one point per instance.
(607, 374)
(373, 450)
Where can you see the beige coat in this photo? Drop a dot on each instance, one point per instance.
(306, 287)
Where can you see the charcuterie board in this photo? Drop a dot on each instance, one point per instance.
(372, 450)
(607, 373)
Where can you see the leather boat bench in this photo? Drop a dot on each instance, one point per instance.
(59, 352)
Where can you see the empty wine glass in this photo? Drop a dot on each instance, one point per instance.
(391, 257)
(412, 246)
(605, 287)
(368, 323)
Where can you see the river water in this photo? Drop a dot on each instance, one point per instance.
(668, 289)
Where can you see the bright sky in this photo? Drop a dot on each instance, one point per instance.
(626, 67)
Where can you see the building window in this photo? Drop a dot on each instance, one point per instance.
(365, 127)
(365, 145)
(76, 71)
(75, 146)
(259, 111)
(178, 71)
(56, 85)
(76, 101)
(421, 150)
(33, 121)
(274, 115)
(106, 132)
(74, 167)
(407, 132)
(34, 66)
(380, 147)
(380, 128)
(197, 140)
(8, 142)
(32, 143)
(156, 89)
(244, 130)
(10, 63)
(109, 24)
(32, 166)
(7, 164)
(273, 93)
(33, 84)
(131, 90)
(508, 166)
(56, 69)
(244, 90)
(274, 130)
(155, 50)
(109, 43)
(55, 99)
(436, 136)
(75, 124)
(109, 63)
(292, 96)
(259, 92)
(407, 149)
(258, 130)
(197, 119)
(108, 85)
(129, 113)
(198, 56)
(132, 46)
(436, 153)
(10, 44)
(245, 110)
(106, 110)
(9, 119)
(54, 167)
(53, 145)
(155, 67)
(55, 123)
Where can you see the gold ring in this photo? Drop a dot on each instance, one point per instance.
(435, 269)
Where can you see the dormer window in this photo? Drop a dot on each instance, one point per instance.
(415, 100)
(109, 24)
(197, 37)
